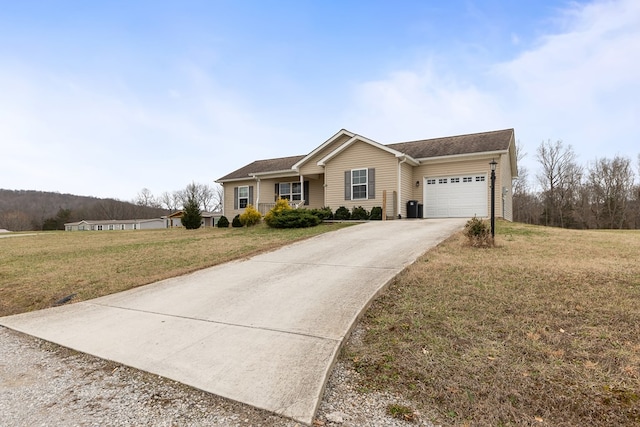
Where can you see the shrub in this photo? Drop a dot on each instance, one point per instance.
(322, 213)
(359, 213)
(281, 205)
(250, 217)
(236, 221)
(342, 213)
(478, 232)
(292, 218)
(223, 222)
(376, 213)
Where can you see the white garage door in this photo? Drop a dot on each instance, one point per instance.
(462, 196)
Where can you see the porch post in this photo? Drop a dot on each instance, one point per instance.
(302, 195)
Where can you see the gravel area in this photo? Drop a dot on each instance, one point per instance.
(42, 384)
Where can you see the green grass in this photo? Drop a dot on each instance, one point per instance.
(36, 271)
(543, 329)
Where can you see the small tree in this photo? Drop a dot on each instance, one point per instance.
(191, 215)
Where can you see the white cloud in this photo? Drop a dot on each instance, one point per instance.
(580, 85)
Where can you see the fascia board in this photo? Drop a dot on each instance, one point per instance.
(322, 146)
(461, 156)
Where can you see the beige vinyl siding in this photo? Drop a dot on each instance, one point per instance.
(407, 188)
(316, 193)
(361, 155)
(311, 166)
(228, 187)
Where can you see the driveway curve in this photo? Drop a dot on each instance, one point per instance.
(264, 331)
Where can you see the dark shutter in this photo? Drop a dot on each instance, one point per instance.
(277, 192)
(250, 195)
(235, 197)
(305, 190)
(347, 185)
(372, 183)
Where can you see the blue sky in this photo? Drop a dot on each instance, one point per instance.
(106, 98)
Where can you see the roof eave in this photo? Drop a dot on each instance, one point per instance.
(463, 155)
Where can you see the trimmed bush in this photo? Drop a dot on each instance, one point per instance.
(322, 213)
(478, 232)
(376, 213)
(359, 213)
(250, 217)
(236, 221)
(281, 205)
(342, 214)
(292, 218)
(223, 222)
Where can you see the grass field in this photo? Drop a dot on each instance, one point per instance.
(542, 330)
(38, 270)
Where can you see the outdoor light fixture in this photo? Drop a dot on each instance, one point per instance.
(417, 183)
(493, 165)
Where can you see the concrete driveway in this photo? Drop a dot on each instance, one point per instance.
(263, 331)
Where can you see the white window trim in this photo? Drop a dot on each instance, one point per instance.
(291, 194)
(366, 183)
(240, 197)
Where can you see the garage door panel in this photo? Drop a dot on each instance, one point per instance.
(458, 196)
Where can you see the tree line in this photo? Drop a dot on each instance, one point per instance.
(602, 195)
(22, 210)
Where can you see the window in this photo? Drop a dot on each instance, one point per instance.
(243, 197)
(290, 191)
(479, 178)
(467, 179)
(431, 182)
(358, 184)
(455, 180)
(110, 226)
(99, 228)
(442, 181)
(122, 227)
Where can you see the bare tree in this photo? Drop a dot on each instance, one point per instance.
(218, 198)
(611, 185)
(560, 179)
(170, 201)
(15, 221)
(146, 198)
(207, 196)
(524, 202)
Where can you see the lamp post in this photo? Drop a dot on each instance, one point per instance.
(493, 165)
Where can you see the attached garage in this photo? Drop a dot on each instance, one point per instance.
(459, 196)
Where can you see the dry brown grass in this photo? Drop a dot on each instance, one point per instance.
(36, 271)
(543, 329)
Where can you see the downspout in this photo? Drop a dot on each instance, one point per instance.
(399, 207)
(302, 195)
(257, 203)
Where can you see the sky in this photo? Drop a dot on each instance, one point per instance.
(107, 98)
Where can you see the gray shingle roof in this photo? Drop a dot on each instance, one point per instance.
(268, 165)
(498, 140)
